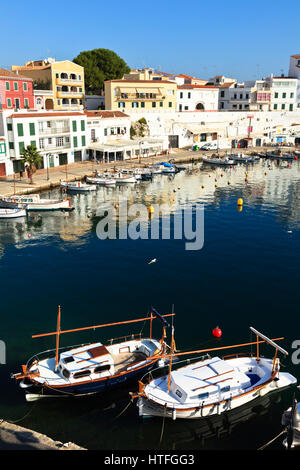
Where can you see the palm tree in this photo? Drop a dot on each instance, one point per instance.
(33, 158)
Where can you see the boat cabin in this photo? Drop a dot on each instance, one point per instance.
(212, 379)
(93, 361)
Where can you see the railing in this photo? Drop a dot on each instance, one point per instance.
(55, 146)
(71, 94)
(54, 130)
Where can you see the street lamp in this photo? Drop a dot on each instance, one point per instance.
(47, 161)
(140, 151)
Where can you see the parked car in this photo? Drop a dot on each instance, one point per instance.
(210, 146)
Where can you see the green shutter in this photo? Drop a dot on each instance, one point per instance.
(291, 107)
(20, 130)
(82, 126)
(33, 143)
(11, 145)
(8, 102)
(7, 86)
(75, 144)
(21, 146)
(9, 126)
(83, 140)
(16, 86)
(31, 128)
(74, 124)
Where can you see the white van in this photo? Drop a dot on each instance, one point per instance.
(210, 146)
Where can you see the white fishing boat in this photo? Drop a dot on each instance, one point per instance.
(156, 169)
(102, 180)
(242, 158)
(212, 385)
(123, 178)
(219, 161)
(12, 213)
(92, 368)
(77, 186)
(33, 202)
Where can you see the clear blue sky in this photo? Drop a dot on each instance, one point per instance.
(245, 40)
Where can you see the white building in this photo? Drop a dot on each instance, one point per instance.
(60, 137)
(197, 97)
(284, 93)
(294, 72)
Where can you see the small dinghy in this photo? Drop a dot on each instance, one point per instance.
(212, 385)
(291, 420)
(78, 186)
(123, 178)
(91, 368)
(12, 213)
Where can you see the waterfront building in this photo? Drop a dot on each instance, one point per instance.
(60, 137)
(108, 138)
(3, 156)
(191, 97)
(284, 93)
(64, 79)
(294, 72)
(16, 92)
(145, 95)
(189, 80)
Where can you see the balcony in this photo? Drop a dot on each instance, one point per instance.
(139, 97)
(69, 81)
(69, 94)
(54, 130)
(47, 148)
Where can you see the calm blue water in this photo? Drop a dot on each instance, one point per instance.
(246, 274)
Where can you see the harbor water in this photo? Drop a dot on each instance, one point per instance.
(246, 274)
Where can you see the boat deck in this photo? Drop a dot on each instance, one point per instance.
(123, 360)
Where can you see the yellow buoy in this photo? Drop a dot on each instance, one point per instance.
(216, 185)
(228, 182)
(265, 172)
(239, 208)
(202, 186)
(240, 201)
(246, 175)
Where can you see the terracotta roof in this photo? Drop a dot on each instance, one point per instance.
(284, 78)
(8, 74)
(140, 81)
(189, 86)
(296, 56)
(2, 138)
(47, 114)
(189, 76)
(32, 67)
(105, 114)
(226, 85)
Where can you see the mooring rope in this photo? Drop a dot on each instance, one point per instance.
(18, 420)
(163, 426)
(270, 442)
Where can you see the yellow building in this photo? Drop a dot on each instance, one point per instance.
(64, 78)
(145, 95)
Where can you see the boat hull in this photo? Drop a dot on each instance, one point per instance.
(35, 391)
(12, 213)
(36, 206)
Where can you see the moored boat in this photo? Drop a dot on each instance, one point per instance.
(122, 178)
(12, 213)
(33, 202)
(77, 186)
(102, 180)
(94, 367)
(212, 386)
(219, 161)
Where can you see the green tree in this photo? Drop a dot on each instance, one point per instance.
(100, 65)
(33, 158)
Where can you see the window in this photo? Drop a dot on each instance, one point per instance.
(7, 86)
(291, 95)
(291, 107)
(80, 90)
(99, 369)
(11, 145)
(20, 130)
(203, 396)
(134, 104)
(75, 142)
(241, 96)
(283, 95)
(105, 132)
(186, 108)
(8, 102)
(189, 94)
(276, 94)
(25, 86)
(161, 104)
(181, 94)
(33, 143)
(57, 75)
(247, 96)
(222, 94)
(26, 103)
(153, 104)
(178, 393)
(82, 125)
(21, 146)
(170, 104)
(83, 373)
(225, 389)
(275, 106)
(31, 128)
(66, 373)
(121, 104)
(142, 104)
(283, 106)
(74, 125)
(16, 86)
(83, 140)
(9, 127)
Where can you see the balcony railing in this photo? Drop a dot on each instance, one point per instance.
(72, 81)
(54, 130)
(46, 148)
(134, 97)
(69, 94)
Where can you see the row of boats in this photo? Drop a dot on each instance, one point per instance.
(169, 383)
(235, 158)
(18, 205)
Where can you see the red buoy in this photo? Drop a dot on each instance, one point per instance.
(296, 158)
(217, 332)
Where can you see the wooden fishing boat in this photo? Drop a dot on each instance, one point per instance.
(33, 202)
(78, 186)
(12, 213)
(102, 180)
(92, 368)
(123, 178)
(212, 386)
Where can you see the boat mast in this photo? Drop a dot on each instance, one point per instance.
(57, 337)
